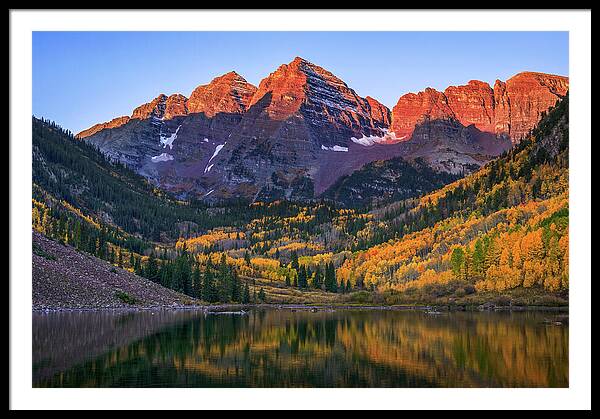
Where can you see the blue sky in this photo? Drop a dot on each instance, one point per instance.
(81, 78)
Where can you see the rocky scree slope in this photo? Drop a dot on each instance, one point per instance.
(65, 278)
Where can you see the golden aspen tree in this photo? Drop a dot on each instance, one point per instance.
(564, 246)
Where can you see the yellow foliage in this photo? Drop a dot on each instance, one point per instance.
(209, 239)
(516, 253)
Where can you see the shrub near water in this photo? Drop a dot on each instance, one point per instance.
(124, 297)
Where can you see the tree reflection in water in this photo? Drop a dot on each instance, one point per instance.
(280, 348)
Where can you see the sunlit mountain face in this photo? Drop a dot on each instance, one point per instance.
(302, 129)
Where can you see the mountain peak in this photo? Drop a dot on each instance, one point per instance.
(302, 83)
(478, 83)
(155, 108)
(413, 108)
(230, 76)
(299, 60)
(114, 123)
(535, 74)
(531, 81)
(229, 93)
(175, 105)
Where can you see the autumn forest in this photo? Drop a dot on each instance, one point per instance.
(498, 234)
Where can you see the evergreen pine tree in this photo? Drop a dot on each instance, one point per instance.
(302, 281)
(457, 261)
(317, 279)
(294, 261)
(209, 290)
(236, 292)
(151, 270)
(137, 266)
(197, 282)
(223, 280)
(261, 295)
(330, 281)
(287, 280)
(246, 295)
(478, 259)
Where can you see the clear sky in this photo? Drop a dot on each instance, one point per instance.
(82, 78)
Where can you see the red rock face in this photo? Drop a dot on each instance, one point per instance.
(284, 89)
(304, 87)
(162, 107)
(530, 94)
(380, 114)
(414, 108)
(510, 109)
(175, 105)
(473, 104)
(117, 122)
(300, 117)
(155, 108)
(229, 93)
(501, 109)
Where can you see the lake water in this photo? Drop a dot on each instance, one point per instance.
(281, 348)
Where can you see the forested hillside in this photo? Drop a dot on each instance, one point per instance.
(504, 227)
(500, 232)
(382, 182)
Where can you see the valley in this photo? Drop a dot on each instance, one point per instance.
(445, 244)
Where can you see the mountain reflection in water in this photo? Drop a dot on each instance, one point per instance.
(281, 348)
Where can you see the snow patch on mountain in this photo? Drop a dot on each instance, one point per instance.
(334, 148)
(168, 141)
(217, 150)
(162, 157)
(387, 137)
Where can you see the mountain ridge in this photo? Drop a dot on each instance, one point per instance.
(303, 128)
(476, 102)
(557, 85)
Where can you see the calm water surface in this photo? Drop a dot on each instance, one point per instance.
(281, 348)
